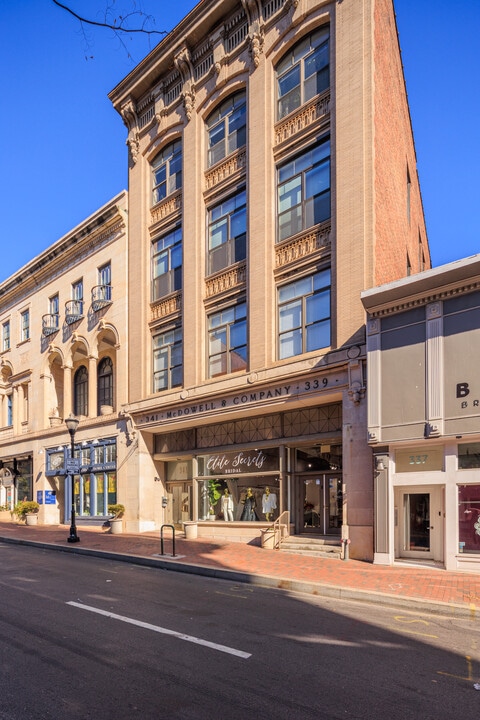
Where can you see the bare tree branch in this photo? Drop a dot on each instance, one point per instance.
(116, 27)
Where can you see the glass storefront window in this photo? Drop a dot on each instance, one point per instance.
(469, 518)
(246, 499)
(468, 456)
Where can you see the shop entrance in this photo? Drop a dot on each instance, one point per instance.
(320, 504)
(420, 523)
(178, 504)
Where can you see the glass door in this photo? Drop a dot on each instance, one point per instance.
(416, 541)
(321, 504)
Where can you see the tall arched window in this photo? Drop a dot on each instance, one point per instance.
(105, 383)
(303, 72)
(80, 391)
(167, 171)
(226, 128)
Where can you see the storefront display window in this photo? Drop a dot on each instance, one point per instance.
(469, 518)
(242, 499)
(468, 456)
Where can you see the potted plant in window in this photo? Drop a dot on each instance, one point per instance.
(27, 510)
(116, 510)
(214, 495)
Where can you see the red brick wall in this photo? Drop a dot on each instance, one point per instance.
(395, 235)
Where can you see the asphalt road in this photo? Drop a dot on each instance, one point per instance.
(85, 638)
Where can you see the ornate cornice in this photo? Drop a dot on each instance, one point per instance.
(419, 301)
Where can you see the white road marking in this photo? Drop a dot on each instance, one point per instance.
(164, 631)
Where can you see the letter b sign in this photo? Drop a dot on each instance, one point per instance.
(462, 390)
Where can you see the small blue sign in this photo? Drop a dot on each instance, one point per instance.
(40, 497)
(50, 497)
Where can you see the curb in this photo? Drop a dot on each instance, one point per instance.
(407, 604)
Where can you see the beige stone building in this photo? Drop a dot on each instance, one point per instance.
(272, 178)
(423, 342)
(63, 335)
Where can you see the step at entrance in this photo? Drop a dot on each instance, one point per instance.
(312, 546)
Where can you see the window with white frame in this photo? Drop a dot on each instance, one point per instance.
(227, 232)
(167, 171)
(303, 72)
(25, 325)
(167, 264)
(226, 128)
(227, 340)
(6, 335)
(167, 359)
(54, 305)
(304, 191)
(304, 315)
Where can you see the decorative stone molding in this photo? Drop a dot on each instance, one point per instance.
(229, 280)
(432, 430)
(129, 114)
(170, 206)
(426, 300)
(301, 247)
(169, 306)
(373, 326)
(306, 116)
(189, 102)
(434, 310)
(133, 145)
(256, 46)
(234, 163)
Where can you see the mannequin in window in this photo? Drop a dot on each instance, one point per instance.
(249, 513)
(269, 503)
(227, 506)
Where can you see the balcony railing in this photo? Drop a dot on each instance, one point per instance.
(73, 311)
(50, 323)
(101, 296)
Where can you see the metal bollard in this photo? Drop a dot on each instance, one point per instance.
(346, 543)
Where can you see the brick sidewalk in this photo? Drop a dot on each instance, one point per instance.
(425, 587)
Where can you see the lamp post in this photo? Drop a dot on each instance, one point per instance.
(72, 423)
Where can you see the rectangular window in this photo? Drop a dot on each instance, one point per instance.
(468, 456)
(469, 518)
(6, 336)
(167, 360)
(105, 274)
(304, 315)
(54, 305)
(25, 325)
(77, 290)
(227, 233)
(9, 410)
(167, 171)
(167, 264)
(304, 191)
(227, 340)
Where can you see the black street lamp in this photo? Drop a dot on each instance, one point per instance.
(72, 423)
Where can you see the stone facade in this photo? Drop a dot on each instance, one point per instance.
(304, 407)
(63, 351)
(424, 418)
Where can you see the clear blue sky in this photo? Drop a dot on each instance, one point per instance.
(63, 146)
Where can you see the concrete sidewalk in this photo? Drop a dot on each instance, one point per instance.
(418, 588)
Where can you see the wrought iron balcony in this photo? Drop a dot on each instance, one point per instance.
(73, 311)
(101, 296)
(50, 323)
